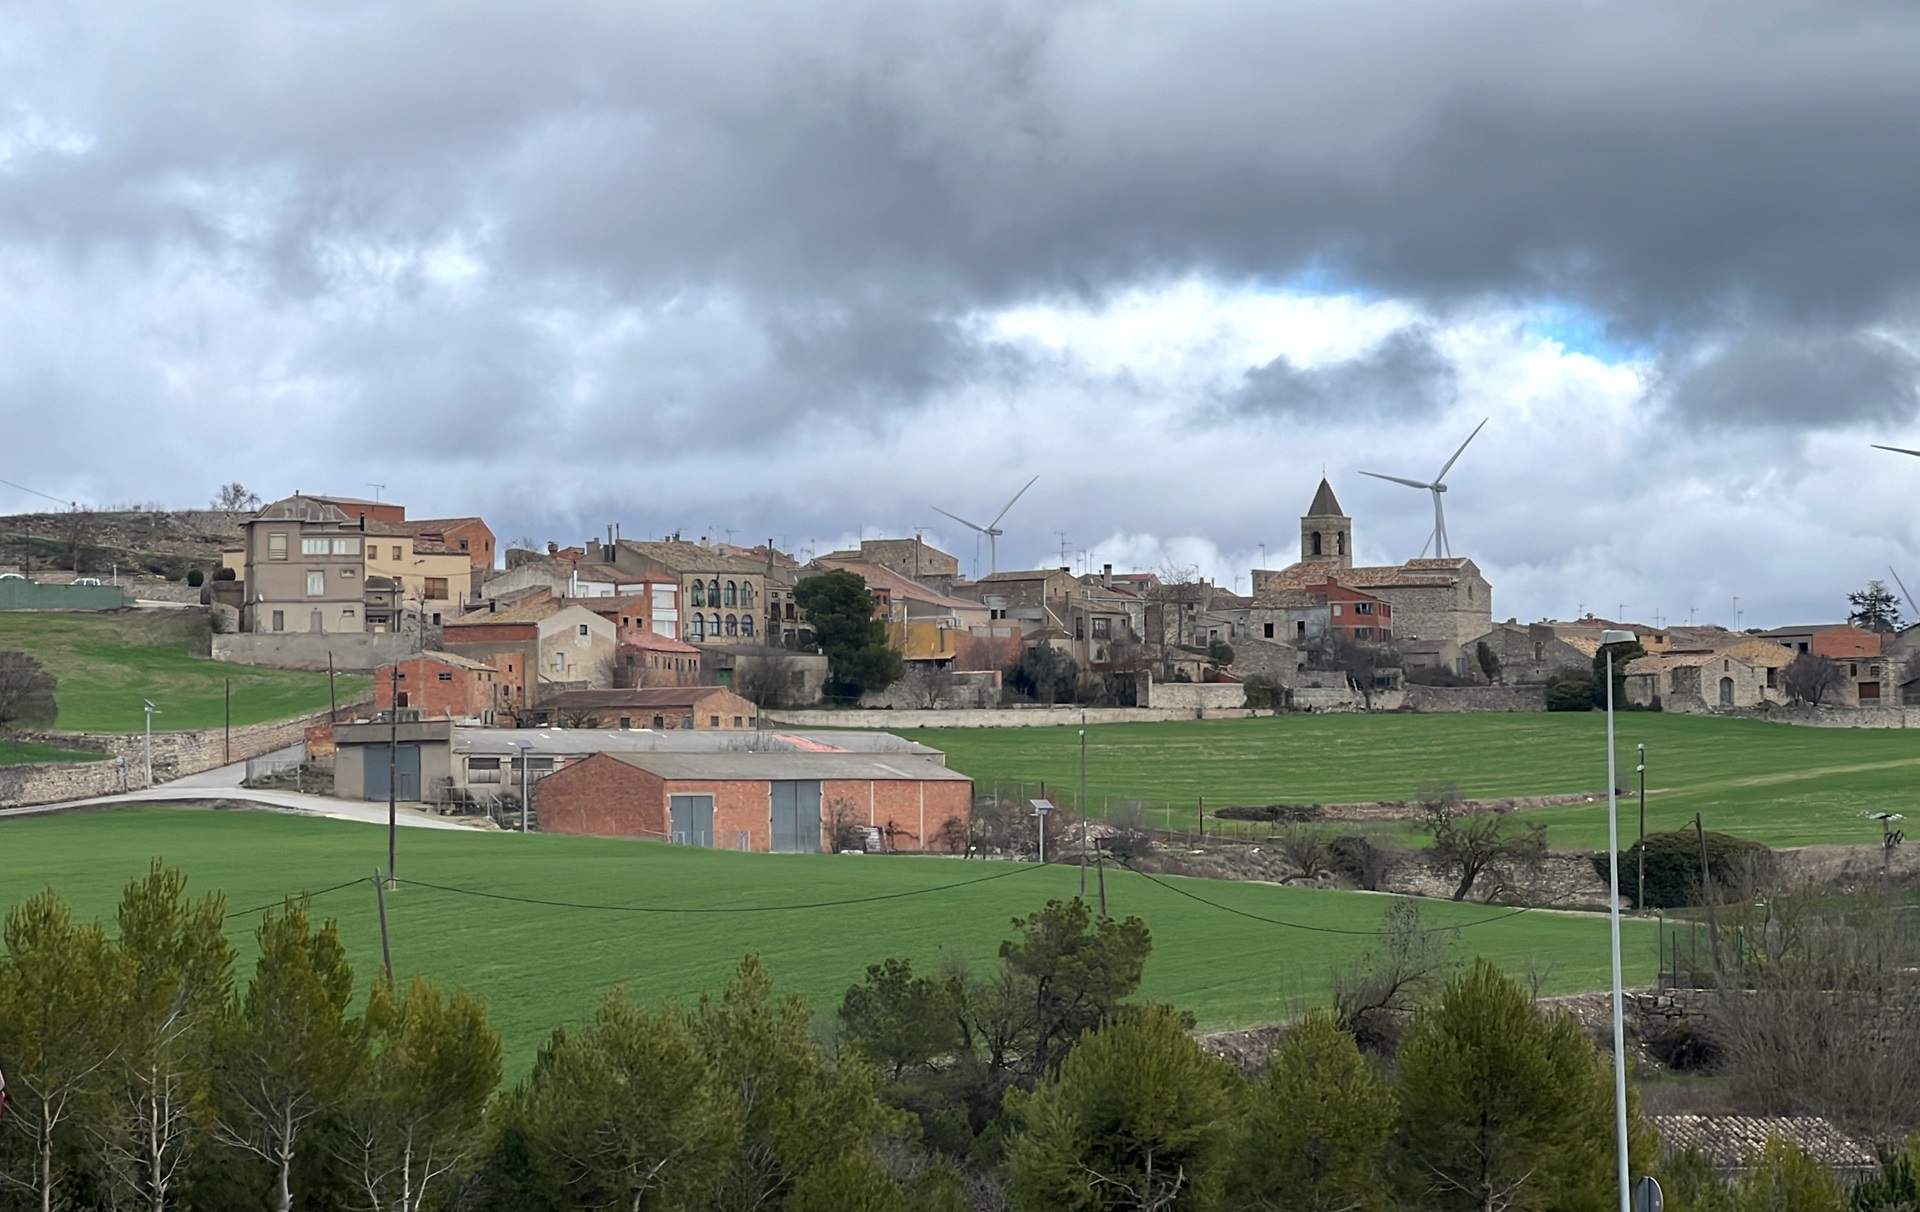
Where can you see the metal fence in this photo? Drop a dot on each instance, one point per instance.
(1166, 820)
(1687, 950)
(276, 771)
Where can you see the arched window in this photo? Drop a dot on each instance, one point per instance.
(1316, 542)
(733, 594)
(699, 594)
(746, 624)
(713, 625)
(1341, 541)
(699, 625)
(733, 625)
(746, 594)
(713, 592)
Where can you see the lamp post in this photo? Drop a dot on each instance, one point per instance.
(1640, 889)
(151, 710)
(1083, 805)
(1608, 638)
(525, 766)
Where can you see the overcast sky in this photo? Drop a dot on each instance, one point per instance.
(799, 270)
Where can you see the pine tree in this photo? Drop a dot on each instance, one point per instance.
(180, 968)
(1875, 608)
(1139, 1117)
(289, 1051)
(798, 1108)
(58, 988)
(416, 1120)
(1503, 1108)
(1787, 1180)
(1317, 1127)
(628, 1113)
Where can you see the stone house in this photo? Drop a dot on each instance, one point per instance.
(441, 685)
(1858, 655)
(748, 668)
(712, 708)
(574, 578)
(1529, 653)
(722, 597)
(900, 601)
(539, 647)
(778, 802)
(304, 568)
(1696, 683)
(914, 559)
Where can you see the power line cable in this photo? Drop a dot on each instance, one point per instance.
(1021, 869)
(283, 900)
(1274, 921)
(36, 492)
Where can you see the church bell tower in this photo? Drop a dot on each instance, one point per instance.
(1326, 533)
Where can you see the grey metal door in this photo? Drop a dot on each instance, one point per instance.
(406, 772)
(796, 818)
(692, 822)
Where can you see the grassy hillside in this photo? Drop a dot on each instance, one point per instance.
(542, 966)
(1780, 784)
(107, 663)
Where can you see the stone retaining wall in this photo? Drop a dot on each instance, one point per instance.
(1196, 696)
(1475, 698)
(352, 651)
(175, 753)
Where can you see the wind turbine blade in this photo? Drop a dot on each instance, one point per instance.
(1903, 588)
(1896, 449)
(1398, 479)
(1425, 545)
(956, 517)
(1463, 447)
(1016, 497)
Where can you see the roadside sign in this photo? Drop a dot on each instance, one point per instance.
(1041, 807)
(1647, 1196)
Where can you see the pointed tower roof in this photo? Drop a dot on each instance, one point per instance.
(1325, 504)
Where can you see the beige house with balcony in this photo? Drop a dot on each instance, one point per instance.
(304, 568)
(722, 598)
(433, 579)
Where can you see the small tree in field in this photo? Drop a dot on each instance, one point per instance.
(1810, 677)
(1316, 1129)
(235, 497)
(1467, 841)
(26, 692)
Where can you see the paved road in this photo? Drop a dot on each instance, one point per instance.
(223, 783)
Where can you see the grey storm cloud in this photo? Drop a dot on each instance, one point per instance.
(1404, 375)
(546, 259)
(1775, 378)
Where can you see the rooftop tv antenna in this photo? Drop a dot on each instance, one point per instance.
(1438, 485)
(991, 529)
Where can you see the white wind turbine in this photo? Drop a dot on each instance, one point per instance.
(991, 529)
(1438, 539)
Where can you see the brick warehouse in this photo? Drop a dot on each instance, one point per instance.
(441, 685)
(766, 802)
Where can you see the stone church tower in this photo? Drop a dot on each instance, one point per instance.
(1326, 534)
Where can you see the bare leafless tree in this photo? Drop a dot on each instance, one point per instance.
(1810, 678)
(1306, 850)
(1389, 980)
(236, 498)
(765, 676)
(27, 692)
(1468, 841)
(930, 685)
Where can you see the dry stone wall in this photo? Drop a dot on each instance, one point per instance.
(351, 651)
(1004, 717)
(1475, 698)
(175, 753)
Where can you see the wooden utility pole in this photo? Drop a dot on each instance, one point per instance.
(393, 754)
(386, 947)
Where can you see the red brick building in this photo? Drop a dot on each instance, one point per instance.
(441, 685)
(1354, 613)
(764, 802)
(646, 659)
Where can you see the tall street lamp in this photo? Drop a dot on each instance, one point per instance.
(1608, 639)
(151, 711)
(1640, 889)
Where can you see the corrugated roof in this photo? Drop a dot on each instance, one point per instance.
(529, 612)
(653, 642)
(310, 510)
(493, 741)
(1735, 1142)
(1325, 504)
(788, 765)
(454, 659)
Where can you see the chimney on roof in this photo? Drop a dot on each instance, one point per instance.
(493, 604)
(1106, 576)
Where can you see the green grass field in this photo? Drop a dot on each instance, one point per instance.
(107, 663)
(1782, 785)
(19, 753)
(541, 966)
